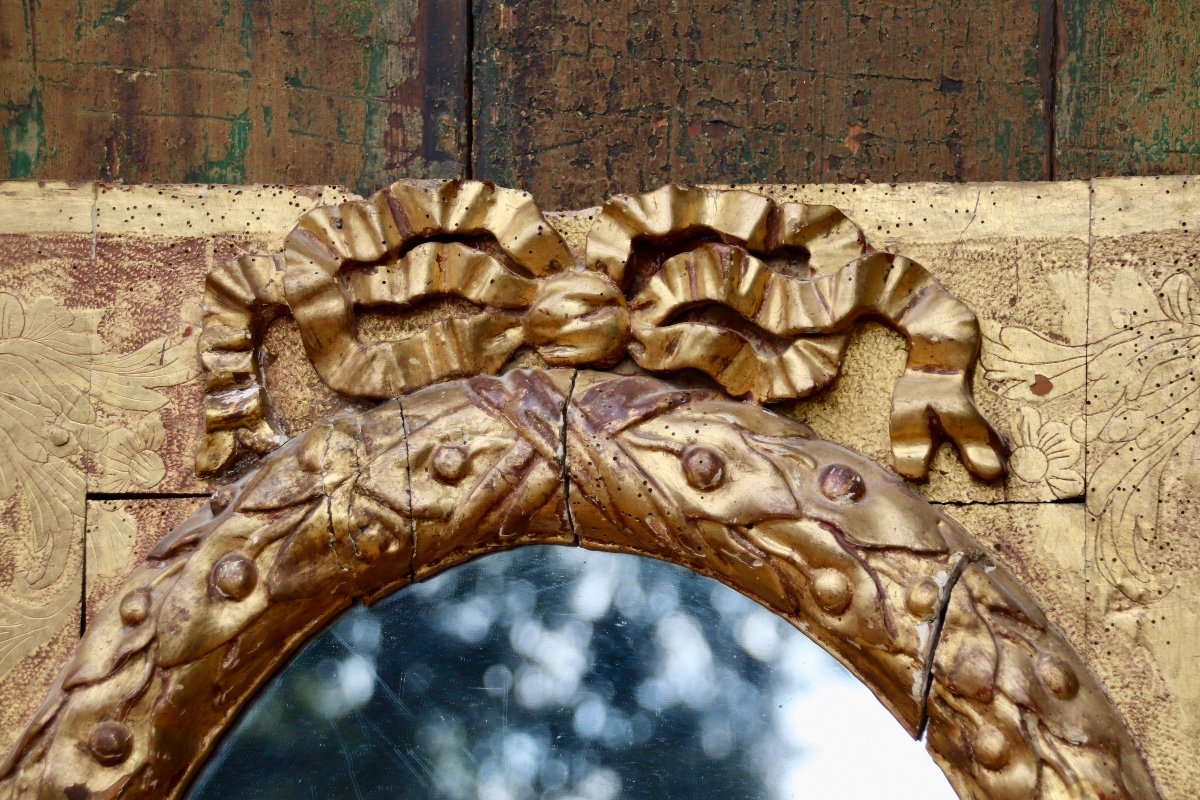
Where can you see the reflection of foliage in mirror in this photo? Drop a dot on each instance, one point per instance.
(559, 673)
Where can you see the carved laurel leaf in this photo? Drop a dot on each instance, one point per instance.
(817, 533)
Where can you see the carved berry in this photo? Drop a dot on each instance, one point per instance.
(991, 748)
(111, 742)
(703, 467)
(135, 607)
(234, 576)
(448, 463)
(841, 484)
(832, 591)
(922, 598)
(1057, 676)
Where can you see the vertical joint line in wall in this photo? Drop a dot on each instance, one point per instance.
(1049, 20)
(95, 218)
(469, 91)
(31, 13)
(83, 575)
(1087, 328)
(95, 224)
(1087, 388)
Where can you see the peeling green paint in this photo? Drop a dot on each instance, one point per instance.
(1002, 143)
(302, 117)
(118, 11)
(495, 154)
(374, 85)
(1135, 119)
(231, 168)
(247, 29)
(267, 115)
(355, 15)
(375, 171)
(25, 139)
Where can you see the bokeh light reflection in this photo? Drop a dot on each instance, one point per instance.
(563, 674)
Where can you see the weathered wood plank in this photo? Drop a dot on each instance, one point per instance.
(1128, 89)
(574, 103)
(349, 91)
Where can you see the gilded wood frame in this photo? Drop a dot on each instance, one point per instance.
(365, 503)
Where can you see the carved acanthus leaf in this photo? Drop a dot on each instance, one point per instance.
(56, 374)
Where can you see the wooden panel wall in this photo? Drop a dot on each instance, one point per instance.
(577, 99)
(214, 91)
(577, 104)
(1129, 89)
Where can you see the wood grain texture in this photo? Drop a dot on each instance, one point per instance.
(1128, 88)
(349, 91)
(575, 103)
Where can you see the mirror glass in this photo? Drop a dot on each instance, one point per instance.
(559, 673)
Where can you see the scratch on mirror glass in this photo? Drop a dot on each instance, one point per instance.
(337, 734)
(419, 767)
(387, 690)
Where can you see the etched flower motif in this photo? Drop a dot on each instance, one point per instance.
(131, 461)
(1045, 453)
(1141, 377)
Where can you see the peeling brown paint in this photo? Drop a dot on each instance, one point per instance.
(856, 137)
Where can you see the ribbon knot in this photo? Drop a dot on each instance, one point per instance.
(759, 295)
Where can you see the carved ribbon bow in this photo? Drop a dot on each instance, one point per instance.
(759, 295)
